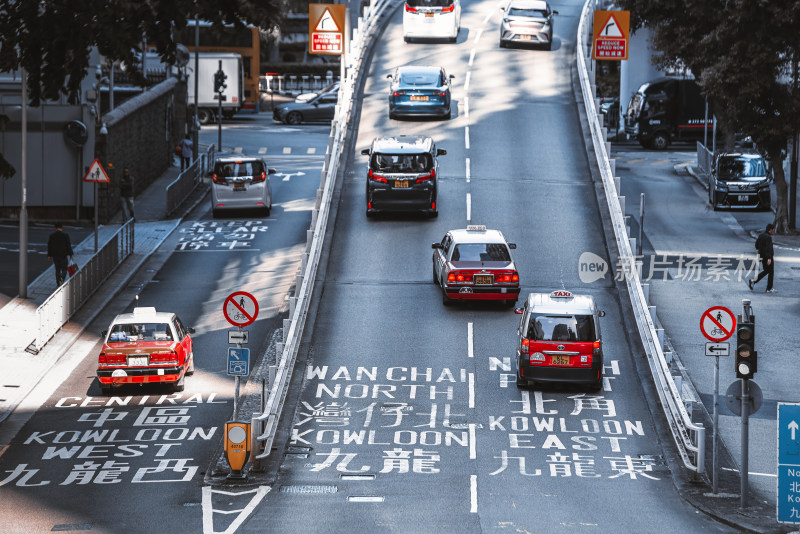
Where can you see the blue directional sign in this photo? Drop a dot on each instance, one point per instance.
(238, 361)
(788, 463)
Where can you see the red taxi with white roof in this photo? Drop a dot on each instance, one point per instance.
(559, 340)
(143, 347)
(475, 264)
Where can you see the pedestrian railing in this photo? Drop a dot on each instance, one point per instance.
(295, 83)
(70, 296)
(705, 158)
(265, 425)
(181, 187)
(689, 436)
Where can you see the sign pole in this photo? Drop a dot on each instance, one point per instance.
(714, 457)
(95, 216)
(236, 386)
(745, 435)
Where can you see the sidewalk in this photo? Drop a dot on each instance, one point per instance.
(22, 369)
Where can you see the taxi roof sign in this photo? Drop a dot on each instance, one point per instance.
(561, 294)
(476, 228)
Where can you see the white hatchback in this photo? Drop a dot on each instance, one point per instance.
(240, 183)
(431, 19)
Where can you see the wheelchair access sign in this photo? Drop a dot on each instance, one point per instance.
(238, 361)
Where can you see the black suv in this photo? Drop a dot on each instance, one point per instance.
(402, 174)
(739, 180)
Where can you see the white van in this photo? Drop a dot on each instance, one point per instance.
(240, 182)
(431, 19)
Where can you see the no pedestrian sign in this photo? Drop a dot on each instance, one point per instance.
(611, 32)
(240, 308)
(717, 323)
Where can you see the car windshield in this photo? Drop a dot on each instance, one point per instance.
(524, 12)
(561, 328)
(121, 333)
(239, 168)
(429, 3)
(402, 162)
(481, 252)
(735, 168)
(419, 78)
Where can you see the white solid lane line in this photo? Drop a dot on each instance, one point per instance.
(469, 207)
(472, 390)
(473, 494)
(469, 341)
(472, 454)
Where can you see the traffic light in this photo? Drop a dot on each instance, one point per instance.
(746, 355)
(219, 81)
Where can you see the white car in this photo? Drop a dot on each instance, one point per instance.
(431, 19)
(527, 22)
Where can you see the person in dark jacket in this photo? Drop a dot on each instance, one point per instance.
(126, 194)
(59, 249)
(767, 255)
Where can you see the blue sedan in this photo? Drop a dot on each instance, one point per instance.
(419, 91)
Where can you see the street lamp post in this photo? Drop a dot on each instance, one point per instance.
(23, 208)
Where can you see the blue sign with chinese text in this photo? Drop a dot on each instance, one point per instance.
(788, 463)
(238, 361)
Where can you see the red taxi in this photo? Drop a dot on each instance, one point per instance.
(559, 340)
(143, 347)
(475, 264)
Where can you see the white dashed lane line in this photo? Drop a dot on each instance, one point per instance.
(473, 494)
(467, 170)
(469, 207)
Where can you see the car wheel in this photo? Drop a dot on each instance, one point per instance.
(521, 382)
(190, 370)
(503, 44)
(435, 278)
(549, 46)
(597, 385)
(433, 214)
(510, 303)
(407, 39)
(660, 141)
(448, 115)
(204, 116)
(105, 390)
(267, 211)
(179, 385)
(445, 299)
(294, 118)
(392, 116)
(454, 39)
(214, 214)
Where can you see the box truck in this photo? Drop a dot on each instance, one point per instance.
(664, 110)
(207, 103)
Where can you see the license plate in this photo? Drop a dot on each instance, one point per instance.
(428, 15)
(525, 37)
(401, 184)
(483, 279)
(137, 361)
(239, 187)
(416, 98)
(744, 198)
(560, 360)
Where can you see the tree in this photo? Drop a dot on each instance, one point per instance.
(741, 53)
(52, 38)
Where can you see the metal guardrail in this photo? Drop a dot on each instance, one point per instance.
(264, 426)
(67, 299)
(186, 182)
(294, 83)
(705, 158)
(689, 436)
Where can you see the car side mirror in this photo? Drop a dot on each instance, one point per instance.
(601, 313)
(190, 330)
(436, 245)
(104, 333)
(389, 76)
(519, 311)
(441, 152)
(512, 246)
(555, 12)
(452, 77)
(365, 151)
(271, 171)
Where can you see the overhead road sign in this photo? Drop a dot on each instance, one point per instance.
(326, 23)
(240, 308)
(611, 33)
(717, 323)
(788, 463)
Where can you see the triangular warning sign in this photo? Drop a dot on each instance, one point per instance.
(611, 29)
(326, 23)
(96, 173)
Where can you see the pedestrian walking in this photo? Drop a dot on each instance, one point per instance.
(767, 255)
(126, 195)
(187, 152)
(59, 251)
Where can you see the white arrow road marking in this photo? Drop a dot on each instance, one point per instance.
(208, 511)
(793, 427)
(288, 175)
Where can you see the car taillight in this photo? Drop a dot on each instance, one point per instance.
(218, 179)
(427, 177)
(260, 178)
(443, 93)
(398, 93)
(411, 9)
(596, 348)
(525, 346)
(164, 357)
(449, 8)
(102, 359)
(459, 277)
(377, 177)
(510, 277)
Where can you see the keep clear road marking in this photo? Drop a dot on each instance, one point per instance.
(208, 510)
(469, 207)
(262, 150)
